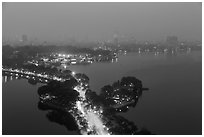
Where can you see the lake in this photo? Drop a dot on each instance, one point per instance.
(172, 105)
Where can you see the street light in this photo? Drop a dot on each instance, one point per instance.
(73, 73)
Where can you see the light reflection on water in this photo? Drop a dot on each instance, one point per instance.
(171, 106)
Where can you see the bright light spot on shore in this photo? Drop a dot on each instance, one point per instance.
(92, 117)
(94, 121)
(73, 73)
(64, 66)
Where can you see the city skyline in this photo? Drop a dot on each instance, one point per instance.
(90, 22)
(108, 68)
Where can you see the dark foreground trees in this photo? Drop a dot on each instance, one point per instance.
(118, 97)
(59, 95)
(120, 94)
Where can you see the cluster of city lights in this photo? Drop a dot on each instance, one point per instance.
(29, 74)
(91, 115)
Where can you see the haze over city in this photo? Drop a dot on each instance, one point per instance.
(102, 69)
(101, 21)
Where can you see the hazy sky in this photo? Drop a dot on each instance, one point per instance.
(99, 21)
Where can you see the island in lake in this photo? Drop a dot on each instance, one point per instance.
(70, 102)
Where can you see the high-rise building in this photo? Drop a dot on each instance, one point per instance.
(115, 39)
(24, 38)
(172, 40)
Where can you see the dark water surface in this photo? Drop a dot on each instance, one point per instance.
(173, 105)
(21, 114)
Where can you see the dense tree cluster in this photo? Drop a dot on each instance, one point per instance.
(82, 78)
(60, 95)
(122, 126)
(64, 93)
(121, 93)
(18, 55)
(62, 118)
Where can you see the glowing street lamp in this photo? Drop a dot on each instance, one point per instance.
(73, 73)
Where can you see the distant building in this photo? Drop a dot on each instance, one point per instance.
(24, 39)
(115, 39)
(172, 40)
